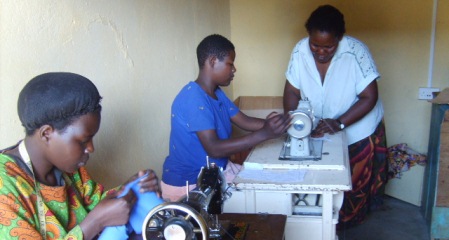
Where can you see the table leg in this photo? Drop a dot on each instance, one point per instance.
(327, 215)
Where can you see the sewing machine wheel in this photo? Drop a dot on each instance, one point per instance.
(174, 221)
(301, 125)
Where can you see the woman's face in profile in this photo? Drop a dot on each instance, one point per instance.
(323, 45)
(225, 69)
(70, 148)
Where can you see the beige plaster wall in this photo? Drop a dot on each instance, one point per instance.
(138, 53)
(397, 33)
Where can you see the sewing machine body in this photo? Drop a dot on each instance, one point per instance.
(193, 217)
(298, 145)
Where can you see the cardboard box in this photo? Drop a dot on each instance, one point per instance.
(442, 97)
(257, 106)
(254, 106)
(409, 187)
(259, 102)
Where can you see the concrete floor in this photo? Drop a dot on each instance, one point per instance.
(395, 220)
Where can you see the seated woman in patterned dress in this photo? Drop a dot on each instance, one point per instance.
(45, 190)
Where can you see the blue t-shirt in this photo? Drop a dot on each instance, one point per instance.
(194, 110)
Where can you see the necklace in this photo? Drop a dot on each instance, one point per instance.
(40, 203)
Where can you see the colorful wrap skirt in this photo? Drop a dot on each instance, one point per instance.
(369, 171)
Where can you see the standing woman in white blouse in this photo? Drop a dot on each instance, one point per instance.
(338, 75)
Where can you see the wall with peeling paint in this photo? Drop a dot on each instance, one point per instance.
(138, 53)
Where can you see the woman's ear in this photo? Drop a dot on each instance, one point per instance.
(211, 61)
(45, 132)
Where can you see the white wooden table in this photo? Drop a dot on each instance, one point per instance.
(267, 184)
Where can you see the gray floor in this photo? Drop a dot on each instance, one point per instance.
(396, 220)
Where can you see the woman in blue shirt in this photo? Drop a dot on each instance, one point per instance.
(202, 118)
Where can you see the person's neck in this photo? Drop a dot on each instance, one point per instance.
(207, 85)
(322, 69)
(42, 168)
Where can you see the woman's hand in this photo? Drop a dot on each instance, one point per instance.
(149, 183)
(111, 211)
(276, 124)
(326, 125)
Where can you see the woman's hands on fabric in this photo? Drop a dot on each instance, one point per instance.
(113, 207)
(326, 125)
(149, 183)
(111, 211)
(276, 124)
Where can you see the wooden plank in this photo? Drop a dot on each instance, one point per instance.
(259, 102)
(261, 226)
(433, 156)
(442, 199)
(440, 223)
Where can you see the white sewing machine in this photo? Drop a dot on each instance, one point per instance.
(298, 145)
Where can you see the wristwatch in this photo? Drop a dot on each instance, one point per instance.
(342, 126)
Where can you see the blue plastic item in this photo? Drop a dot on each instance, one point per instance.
(145, 202)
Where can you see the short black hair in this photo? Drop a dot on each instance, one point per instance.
(56, 99)
(213, 45)
(327, 18)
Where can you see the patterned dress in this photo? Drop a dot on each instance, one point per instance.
(64, 206)
(369, 171)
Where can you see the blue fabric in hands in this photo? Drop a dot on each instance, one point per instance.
(145, 202)
(132, 184)
(115, 232)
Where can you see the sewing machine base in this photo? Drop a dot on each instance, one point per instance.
(315, 146)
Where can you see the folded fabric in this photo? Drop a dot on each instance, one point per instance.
(145, 202)
(401, 158)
